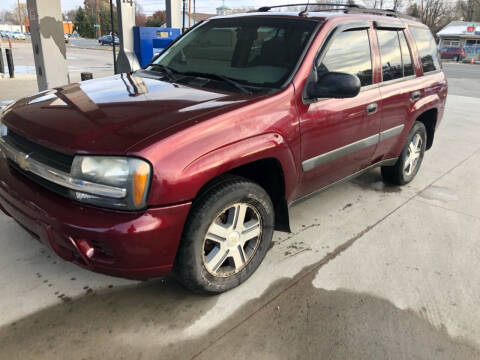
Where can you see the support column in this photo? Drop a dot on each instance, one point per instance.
(48, 43)
(174, 13)
(127, 60)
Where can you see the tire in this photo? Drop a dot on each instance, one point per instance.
(207, 263)
(404, 171)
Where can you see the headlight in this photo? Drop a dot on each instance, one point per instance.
(129, 174)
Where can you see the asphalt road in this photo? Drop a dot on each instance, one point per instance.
(464, 79)
(370, 272)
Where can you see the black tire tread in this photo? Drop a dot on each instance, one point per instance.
(183, 269)
(394, 174)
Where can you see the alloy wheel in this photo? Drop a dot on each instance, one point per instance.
(232, 240)
(413, 155)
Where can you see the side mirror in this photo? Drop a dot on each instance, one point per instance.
(334, 85)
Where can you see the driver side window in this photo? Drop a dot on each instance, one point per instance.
(349, 52)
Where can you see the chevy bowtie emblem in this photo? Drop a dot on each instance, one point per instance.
(22, 161)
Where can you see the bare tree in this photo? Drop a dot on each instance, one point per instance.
(7, 17)
(21, 13)
(397, 5)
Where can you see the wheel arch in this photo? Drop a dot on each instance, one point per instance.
(429, 119)
(269, 174)
(265, 159)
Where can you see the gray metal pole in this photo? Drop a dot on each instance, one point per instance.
(113, 38)
(11, 70)
(2, 65)
(183, 15)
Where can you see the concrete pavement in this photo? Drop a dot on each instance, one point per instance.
(79, 60)
(370, 272)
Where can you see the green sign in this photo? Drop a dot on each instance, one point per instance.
(96, 25)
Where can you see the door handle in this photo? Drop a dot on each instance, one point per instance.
(416, 95)
(371, 108)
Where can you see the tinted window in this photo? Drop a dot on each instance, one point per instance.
(427, 48)
(350, 53)
(390, 54)
(406, 55)
(255, 51)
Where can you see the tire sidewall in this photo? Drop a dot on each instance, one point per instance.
(197, 228)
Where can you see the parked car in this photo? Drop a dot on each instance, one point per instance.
(7, 34)
(66, 37)
(191, 163)
(17, 35)
(107, 40)
(453, 53)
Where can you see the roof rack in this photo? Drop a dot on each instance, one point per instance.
(384, 12)
(268, 8)
(347, 8)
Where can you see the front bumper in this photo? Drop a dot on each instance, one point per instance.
(131, 245)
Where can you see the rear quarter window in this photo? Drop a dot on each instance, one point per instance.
(427, 48)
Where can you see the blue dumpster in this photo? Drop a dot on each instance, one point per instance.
(150, 40)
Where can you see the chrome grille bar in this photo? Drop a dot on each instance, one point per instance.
(56, 176)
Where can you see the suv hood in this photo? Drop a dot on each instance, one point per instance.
(111, 115)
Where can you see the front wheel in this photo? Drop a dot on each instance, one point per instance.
(226, 237)
(410, 159)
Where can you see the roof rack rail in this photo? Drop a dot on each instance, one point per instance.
(268, 8)
(347, 8)
(384, 12)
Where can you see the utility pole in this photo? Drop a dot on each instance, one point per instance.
(99, 33)
(19, 15)
(189, 14)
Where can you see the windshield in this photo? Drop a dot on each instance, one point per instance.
(255, 52)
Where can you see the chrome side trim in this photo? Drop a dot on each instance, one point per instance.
(386, 162)
(58, 177)
(387, 134)
(340, 152)
(322, 159)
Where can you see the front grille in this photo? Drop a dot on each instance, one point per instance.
(52, 158)
(60, 190)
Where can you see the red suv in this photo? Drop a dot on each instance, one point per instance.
(453, 53)
(191, 163)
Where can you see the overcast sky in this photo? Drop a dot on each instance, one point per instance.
(150, 6)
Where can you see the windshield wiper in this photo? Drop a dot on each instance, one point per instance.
(165, 69)
(223, 78)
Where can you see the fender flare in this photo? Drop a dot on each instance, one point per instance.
(242, 152)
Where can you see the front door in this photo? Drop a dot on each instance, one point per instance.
(339, 136)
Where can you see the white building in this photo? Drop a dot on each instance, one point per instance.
(460, 33)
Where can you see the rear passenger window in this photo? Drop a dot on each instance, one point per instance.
(390, 55)
(427, 48)
(406, 55)
(349, 53)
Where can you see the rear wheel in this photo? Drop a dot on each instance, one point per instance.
(410, 159)
(226, 237)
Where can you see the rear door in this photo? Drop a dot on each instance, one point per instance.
(339, 136)
(400, 88)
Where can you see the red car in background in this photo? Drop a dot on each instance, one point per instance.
(453, 53)
(191, 163)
